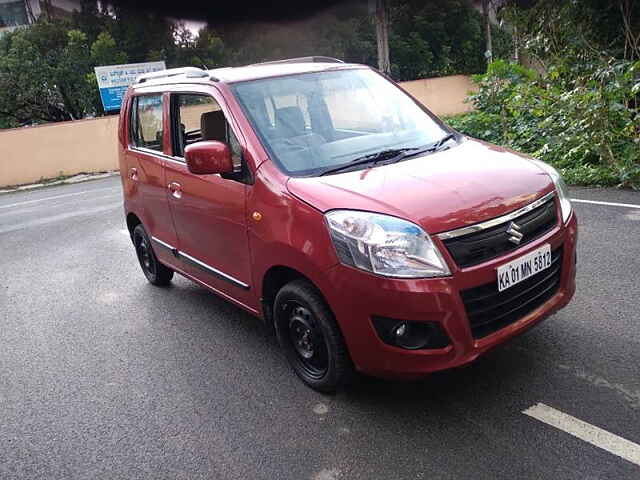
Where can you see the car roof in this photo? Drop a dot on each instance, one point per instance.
(240, 74)
(267, 70)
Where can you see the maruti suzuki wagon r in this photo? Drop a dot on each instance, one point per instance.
(324, 199)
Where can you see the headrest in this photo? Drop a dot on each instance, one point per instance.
(213, 126)
(290, 120)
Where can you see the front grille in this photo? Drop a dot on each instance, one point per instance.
(489, 310)
(478, 247)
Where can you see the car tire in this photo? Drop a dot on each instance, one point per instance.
(310, 337)
(157, 273)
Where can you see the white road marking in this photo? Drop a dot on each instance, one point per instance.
(609, 204)
(619, 446)
(327, 474)
(320, 409)
(37, 200)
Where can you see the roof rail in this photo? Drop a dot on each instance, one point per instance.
(188, 72)
(314, 59)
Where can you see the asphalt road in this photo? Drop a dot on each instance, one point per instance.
(103, 376)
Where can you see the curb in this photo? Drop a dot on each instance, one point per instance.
(82, 177)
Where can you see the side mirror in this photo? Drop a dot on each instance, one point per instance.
(208, 157)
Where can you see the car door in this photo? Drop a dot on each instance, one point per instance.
(209, 212)
(145, 182)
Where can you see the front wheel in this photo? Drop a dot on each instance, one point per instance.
(310, 337)
(156, 273)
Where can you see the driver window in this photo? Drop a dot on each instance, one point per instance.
(198, 118)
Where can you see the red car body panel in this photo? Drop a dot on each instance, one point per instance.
(215, 221)
(461, 186)
(144, 184)
(434, 300)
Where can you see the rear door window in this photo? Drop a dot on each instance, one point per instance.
(146, 122)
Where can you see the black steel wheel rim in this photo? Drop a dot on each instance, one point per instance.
(144, 254)
(306, 341)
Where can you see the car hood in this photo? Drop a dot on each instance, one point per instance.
(463, 185)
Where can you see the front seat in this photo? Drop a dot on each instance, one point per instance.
(213, 126)
(290, 122)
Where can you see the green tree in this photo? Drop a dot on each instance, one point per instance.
(104, 51)
(426, 39)
(205, 49)
(92, 18)
(578, 108)
(42, 74)
(209, 49)
(69, 71)
(439, 37)
(137, 32)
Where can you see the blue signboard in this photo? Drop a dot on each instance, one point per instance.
(113, 80)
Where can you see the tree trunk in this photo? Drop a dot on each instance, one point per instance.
(31, 18)
(631, 38)
(47, 9)
(487, 29)
(382, 36)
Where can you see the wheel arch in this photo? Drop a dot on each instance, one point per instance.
(132, 222)
(273, 280)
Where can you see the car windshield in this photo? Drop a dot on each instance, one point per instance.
(314, 122)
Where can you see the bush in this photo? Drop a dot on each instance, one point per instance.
(587, 124)
(483, 125)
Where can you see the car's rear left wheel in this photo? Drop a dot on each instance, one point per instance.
(156, 272)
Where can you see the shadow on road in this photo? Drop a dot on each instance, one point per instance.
(474, 385)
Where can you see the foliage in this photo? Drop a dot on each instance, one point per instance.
(439, 37)
(46, 71)
(344, 31)
(104, 51)
(587, 125)
(573, 101)
(42, 74)
(578, 106)
(426, 39)
(205, 50)
(556, 31)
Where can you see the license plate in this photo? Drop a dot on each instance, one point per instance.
(520, 269)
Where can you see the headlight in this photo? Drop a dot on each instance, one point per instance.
(561, 188)
(384, 245)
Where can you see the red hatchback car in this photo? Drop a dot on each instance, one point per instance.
(321, 197)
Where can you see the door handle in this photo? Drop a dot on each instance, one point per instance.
(133, 174)
(176, 189)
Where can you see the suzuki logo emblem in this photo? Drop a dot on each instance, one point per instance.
(516, 234)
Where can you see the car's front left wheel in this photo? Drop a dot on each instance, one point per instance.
(310, 337)
(156, 272)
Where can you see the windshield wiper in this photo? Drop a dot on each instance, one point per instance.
(414, 152)
(436, 146)
(390, 154)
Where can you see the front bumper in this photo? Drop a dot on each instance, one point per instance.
(355, 296)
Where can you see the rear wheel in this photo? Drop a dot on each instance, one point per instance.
(310, 337)
(156, 272)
